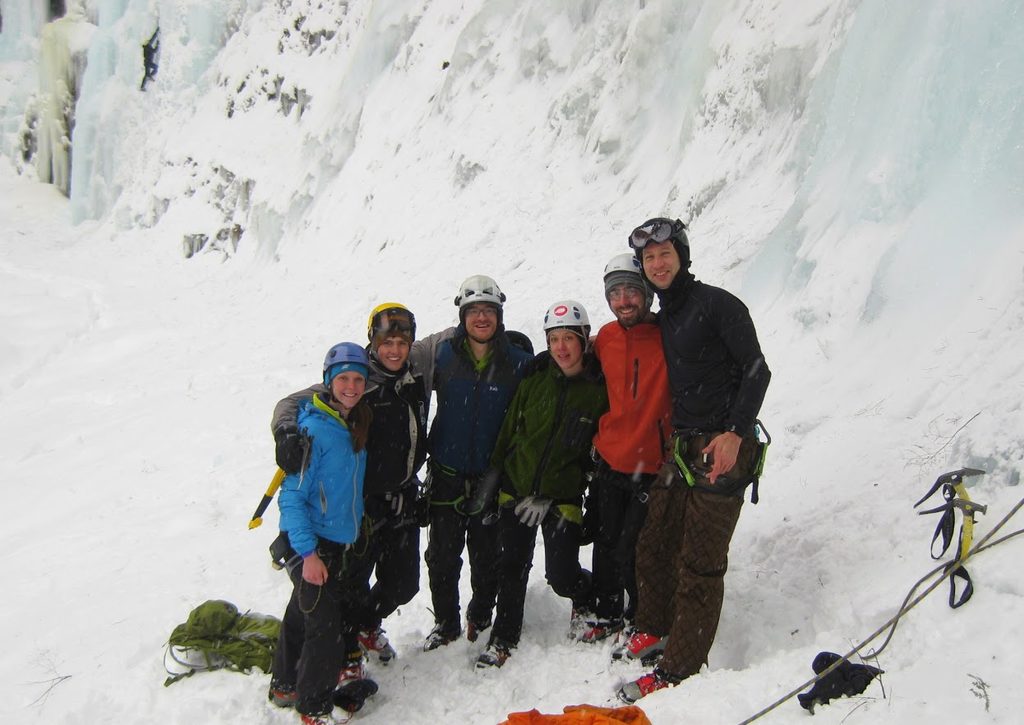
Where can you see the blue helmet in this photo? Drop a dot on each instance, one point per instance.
(345, 356)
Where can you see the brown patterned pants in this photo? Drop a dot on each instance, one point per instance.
(681, 559)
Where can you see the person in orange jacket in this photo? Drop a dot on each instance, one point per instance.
(629, 445)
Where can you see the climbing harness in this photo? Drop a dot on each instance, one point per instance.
(694, 465)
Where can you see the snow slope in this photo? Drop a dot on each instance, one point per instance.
(853, 170)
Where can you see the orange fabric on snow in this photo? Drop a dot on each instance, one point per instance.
(582, 715)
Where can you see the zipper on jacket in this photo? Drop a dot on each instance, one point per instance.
(355, 497)
(474, 415)
(636, 375)
(559, 412)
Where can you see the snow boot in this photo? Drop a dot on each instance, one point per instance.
(641, 646)
(600, 630)
(353, 695)
(439, 637)
(282, 695)
(377, 641)
(353, 669)
(496, 654)
(579, 622)
(643, 686)
(325, 719)
(474, 629)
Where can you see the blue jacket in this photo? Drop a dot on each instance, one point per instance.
(326, 499)
(471, 403)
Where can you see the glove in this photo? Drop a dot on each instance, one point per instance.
(532, 510)
(484, 494)
(292, 449)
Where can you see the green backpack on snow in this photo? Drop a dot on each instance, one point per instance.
(216, 636)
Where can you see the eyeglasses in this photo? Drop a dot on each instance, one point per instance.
(655, 230)
(622, 291)
(481, 311)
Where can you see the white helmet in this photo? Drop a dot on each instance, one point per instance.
(625, 269)
(567, 313)
(624, 262)
(479, 288)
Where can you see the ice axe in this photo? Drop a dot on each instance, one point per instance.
(955, 494)
(275, 483)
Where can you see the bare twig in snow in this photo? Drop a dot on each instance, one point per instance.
(52, 683)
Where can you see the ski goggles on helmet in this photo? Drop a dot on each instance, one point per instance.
(656, 230)
(392, 321)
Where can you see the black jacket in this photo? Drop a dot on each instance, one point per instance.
(717, 374)
(397, 444)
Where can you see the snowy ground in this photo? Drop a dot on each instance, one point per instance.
(855, 174)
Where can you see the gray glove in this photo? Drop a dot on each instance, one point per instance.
(532, 510)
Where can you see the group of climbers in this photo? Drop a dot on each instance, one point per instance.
(605, 439)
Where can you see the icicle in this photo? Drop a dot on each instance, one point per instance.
(63, 46)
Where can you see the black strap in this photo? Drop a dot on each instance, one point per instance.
(965, 596)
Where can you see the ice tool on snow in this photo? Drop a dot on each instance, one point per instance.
(955, 493)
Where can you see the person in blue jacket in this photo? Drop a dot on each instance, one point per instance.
(321, 513)
(474, 369)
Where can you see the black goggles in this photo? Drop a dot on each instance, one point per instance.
(656, 230)
(394, 321)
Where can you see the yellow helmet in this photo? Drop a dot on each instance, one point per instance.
(391, 318)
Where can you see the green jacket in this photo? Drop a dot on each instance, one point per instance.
(545, 440)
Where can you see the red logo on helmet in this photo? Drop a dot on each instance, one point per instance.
(561, 311)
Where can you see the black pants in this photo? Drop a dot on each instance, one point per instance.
(561, 568)
(318, 630)
(618, 506)
(394, 558)
(450, 533)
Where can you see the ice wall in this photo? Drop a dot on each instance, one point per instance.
(63, 46)
(912, 153)
(115, 117)
(22, 21)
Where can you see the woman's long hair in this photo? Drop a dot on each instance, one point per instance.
(359, 424)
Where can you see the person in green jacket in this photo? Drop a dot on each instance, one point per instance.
(541, 459)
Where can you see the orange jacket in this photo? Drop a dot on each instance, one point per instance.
(632, 435)
(582, 715)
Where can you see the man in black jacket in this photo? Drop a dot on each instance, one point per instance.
(396, 449)
(718, 379)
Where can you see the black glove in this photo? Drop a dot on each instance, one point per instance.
(847, 679)
(485, 493)
(292, 449)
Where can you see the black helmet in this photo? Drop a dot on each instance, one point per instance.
(661, 229)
